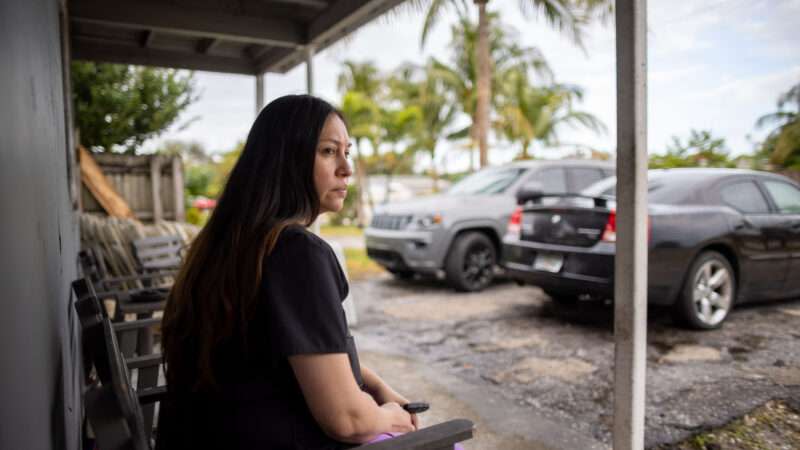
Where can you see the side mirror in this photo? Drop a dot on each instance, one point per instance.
(529, 191)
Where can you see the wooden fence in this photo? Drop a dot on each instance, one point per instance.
(152, 185)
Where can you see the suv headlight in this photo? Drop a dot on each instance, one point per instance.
(427, 221)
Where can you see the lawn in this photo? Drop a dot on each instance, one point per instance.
(359, 266)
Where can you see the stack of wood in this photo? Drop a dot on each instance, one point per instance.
(113, 234)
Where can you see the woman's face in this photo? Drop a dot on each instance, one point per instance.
(331, 169)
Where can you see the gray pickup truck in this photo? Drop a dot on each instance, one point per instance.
(457, 235)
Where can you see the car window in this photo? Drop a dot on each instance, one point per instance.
(744, 197)
(786, 196)
(490, 181)
(553, 181)
(582, 177)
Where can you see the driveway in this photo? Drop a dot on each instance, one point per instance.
(536, 375)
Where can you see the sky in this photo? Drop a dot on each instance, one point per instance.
(713, 65)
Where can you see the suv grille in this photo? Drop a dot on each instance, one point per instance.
(390, 222)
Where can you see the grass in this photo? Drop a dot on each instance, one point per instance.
(359, 266)
(774, 425)
(340, 231)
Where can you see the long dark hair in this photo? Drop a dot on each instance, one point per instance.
(270, 187)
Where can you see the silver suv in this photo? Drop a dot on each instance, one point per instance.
(457, 235)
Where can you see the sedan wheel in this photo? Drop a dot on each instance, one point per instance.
(708, 293)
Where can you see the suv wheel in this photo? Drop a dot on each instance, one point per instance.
(708, 292)
(470, 264)
(402, 274)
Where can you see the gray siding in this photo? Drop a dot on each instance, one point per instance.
(39, 378)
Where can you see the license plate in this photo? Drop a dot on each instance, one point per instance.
(548, 262)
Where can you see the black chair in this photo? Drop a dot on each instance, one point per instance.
(128, 336)
(113, 408)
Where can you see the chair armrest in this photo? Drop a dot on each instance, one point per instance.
(149, 276)
(439, 436)
(152, 395)
(135, 324)
(141, 362)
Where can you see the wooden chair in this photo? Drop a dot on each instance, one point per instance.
(128, 334)
(159, 253)
(114, 409)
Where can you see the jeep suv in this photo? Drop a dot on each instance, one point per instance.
(457, 235)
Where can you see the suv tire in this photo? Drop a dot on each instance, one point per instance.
(401, 274)
(470, 264)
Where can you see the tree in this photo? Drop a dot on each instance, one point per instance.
(424, 89)
(361, 85)
(700, 150)
(461, 76)
(397, 125)
(534, 114)
(569, 16)
(118, 107)
(782, 145)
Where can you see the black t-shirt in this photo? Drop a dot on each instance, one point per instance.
(259, 404)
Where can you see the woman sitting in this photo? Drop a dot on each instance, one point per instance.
(255, 341)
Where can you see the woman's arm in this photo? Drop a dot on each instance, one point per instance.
(342, 410)
(382, 392)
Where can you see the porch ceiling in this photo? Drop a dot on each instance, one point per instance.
(234, 36)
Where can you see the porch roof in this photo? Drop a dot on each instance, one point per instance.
(233, 36)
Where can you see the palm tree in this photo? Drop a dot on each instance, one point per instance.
(361, 85)
(535, 114)
(462, 75)
(422, 88)
(782, 146)
(568, 16)
(397, 125)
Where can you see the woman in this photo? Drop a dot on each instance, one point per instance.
(255, 341)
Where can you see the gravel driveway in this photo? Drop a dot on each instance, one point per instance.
(551, 367)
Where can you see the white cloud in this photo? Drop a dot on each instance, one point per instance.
(714, 64)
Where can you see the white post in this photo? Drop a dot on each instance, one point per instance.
(309, 70)
(310, 91)
(260, 92)
(630, 268)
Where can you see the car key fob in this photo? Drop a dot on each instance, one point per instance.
(416, 407)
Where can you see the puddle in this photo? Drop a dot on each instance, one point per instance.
(689, 353)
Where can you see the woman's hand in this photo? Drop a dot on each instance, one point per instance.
(400, 419)
(388, 395)
(382, 393)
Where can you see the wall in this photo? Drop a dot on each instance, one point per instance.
(39, 382)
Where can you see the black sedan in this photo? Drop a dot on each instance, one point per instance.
(717, 237)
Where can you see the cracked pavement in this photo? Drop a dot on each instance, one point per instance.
(534, 375)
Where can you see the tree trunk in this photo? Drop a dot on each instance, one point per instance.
(525, 151)
(484, 82)
(360, 187)
(434, 173)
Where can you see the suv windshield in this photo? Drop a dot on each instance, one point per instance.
(492, 181)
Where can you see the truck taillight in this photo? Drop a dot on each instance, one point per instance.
(515, 223)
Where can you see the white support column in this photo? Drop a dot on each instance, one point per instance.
(310, 91)
(309, 70)
(630, 268)
(260, 92)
